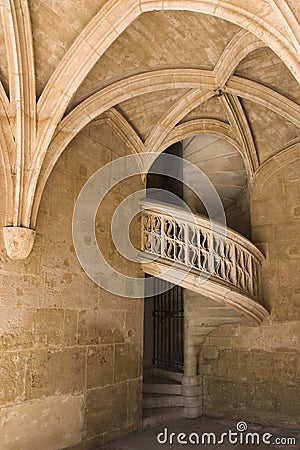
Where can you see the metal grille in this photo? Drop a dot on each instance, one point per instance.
(168, 322)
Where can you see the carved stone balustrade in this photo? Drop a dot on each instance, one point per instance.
(189, 250)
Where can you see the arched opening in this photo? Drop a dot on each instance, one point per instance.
(164, 312)
(162, 187)
(222, 163)
(172, 319)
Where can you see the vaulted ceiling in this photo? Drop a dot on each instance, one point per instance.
(156, 72)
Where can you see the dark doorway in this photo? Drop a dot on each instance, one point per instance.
(168, 331)
(162, 187)
(164, 313)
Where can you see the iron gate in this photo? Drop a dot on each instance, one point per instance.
(168, 323)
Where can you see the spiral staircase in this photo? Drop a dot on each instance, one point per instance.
(221, 268)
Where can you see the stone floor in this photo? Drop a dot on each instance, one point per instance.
(147, 439)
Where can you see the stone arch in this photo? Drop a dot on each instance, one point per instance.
(117, 15)
(219, 155)
(242, 45)
(136, 85)
(202, 126)
(272, 165)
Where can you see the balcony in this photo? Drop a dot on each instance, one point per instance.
(186, 249)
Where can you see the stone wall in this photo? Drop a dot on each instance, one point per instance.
(238, 215)
(71, 353)
(253, 373)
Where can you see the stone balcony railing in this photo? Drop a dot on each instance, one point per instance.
(228, 262)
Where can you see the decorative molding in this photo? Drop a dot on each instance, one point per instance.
(32, 137)
(116, 15)
(201, 221)
(176, 246)
(211, 288)
(189, 101)
(117, 121)
(7, 152)
(18, 241)
(130, 87)
(125, 131)
(200, 126)
(241, 45)
(239, 121)
(110, 96)
(140, 84)
(19, 50)
(290, 20)
(264, 96)
(273, 164)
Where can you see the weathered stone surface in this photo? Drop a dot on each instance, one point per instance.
(264, 361)
(50, 423)
(100, 327)
(100, 366)
(17, 330)
(12, 375)
(227, 397)
(55, 371)
(18, 241)
(106, 408)
(49, 329)
(56, 326)
(70, 327)
(127, 357)
(134, 405)
(133, 325)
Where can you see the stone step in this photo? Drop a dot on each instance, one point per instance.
(168, 374)
(156, 416)
(155, 385)
(147, 372)
(161, 401)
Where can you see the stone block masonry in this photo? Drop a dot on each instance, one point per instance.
(70, 364)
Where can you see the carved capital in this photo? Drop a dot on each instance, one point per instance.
(18, 241)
